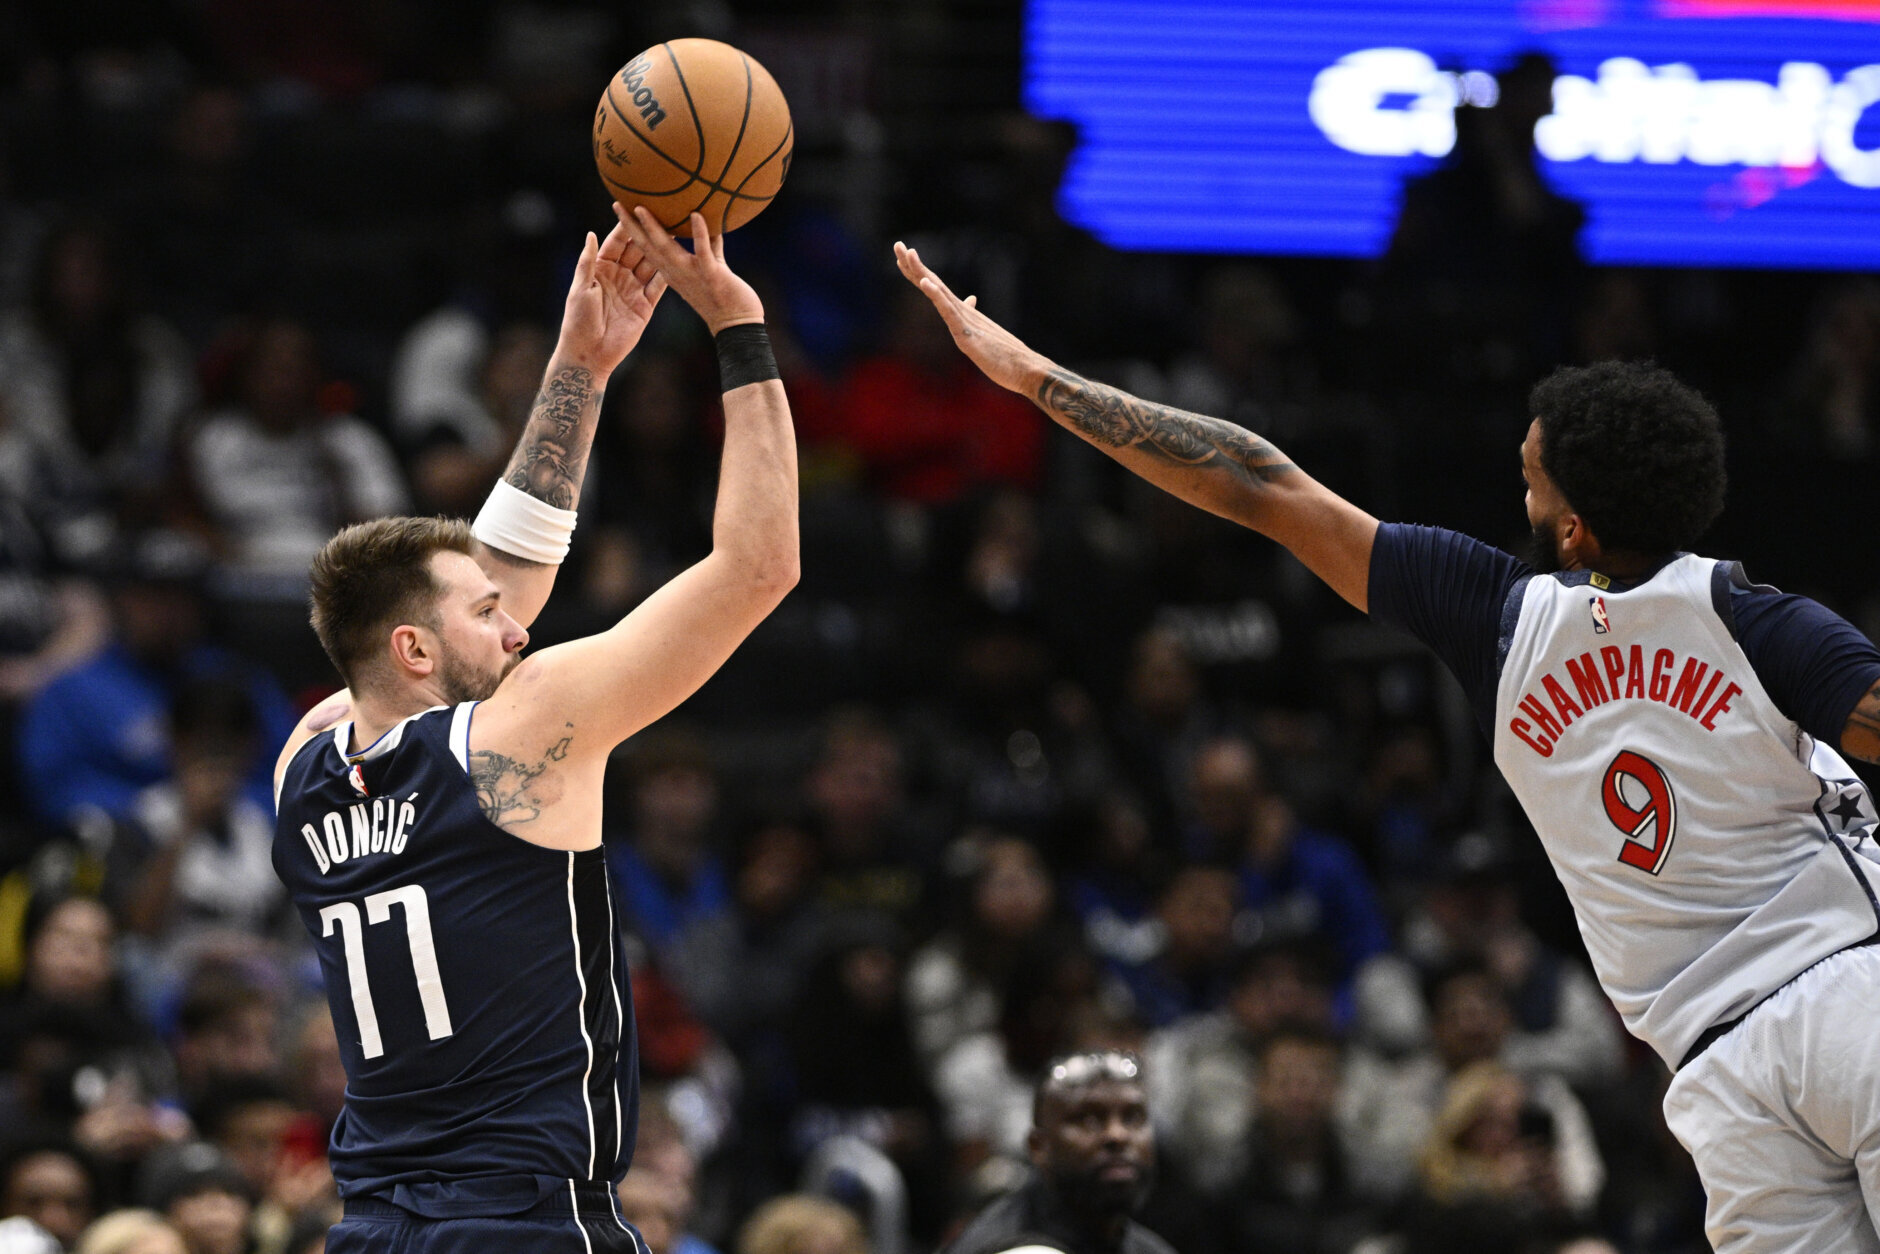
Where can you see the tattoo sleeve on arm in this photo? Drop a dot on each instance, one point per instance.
(505, 785)
(1861, 737)
(552, 454)
(1114, 419)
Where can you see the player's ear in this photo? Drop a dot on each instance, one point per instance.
(1578, 545)
(411, 651)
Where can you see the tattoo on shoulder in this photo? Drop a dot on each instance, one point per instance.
(1861, 737)
(505, 786)
(1116, 419)
(553, 452)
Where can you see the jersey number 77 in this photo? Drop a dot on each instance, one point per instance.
(344, 915)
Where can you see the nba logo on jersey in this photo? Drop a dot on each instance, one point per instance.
(1601, 624)
(357, 778)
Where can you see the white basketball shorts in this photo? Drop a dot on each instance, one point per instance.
(1782, 1115)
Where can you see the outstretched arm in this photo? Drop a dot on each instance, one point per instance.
(601, 689)
(609, 303)
(1222, 468)
(608, 306)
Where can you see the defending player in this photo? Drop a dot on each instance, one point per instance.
(1669, 727)
(443, 844)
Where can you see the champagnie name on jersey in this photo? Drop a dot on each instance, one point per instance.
(1620, 674)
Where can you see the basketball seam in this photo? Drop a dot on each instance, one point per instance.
(734, 194)
(738, 192)
(744, 125)
(691, 106)
(691, 176)
(641, 191)
(646, 139)
(594, 145)
(696, 173)
(608, 106)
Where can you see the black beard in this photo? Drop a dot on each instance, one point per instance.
(1543, 553)
(1096, 1201)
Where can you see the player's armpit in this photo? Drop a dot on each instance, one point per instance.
(539, 745)
(1861, 737)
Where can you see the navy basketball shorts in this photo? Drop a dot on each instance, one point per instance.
(582, 1219)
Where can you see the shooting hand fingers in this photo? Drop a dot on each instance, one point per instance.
(615, 247)
(584, 268)
(636, 230)
(659, 247)
(632, 259)
(702, 239)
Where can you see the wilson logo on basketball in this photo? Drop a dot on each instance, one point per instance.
(725, 145)
(633, 78)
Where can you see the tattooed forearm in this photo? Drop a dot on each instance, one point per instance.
(1116, 419)
(507, 789)
(1861, 737)
(553, 451)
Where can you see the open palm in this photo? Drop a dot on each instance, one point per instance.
(1001, 355)
(608, 305)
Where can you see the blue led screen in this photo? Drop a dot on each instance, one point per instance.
(1695, 132)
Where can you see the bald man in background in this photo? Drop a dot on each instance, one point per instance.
(1093, 1158)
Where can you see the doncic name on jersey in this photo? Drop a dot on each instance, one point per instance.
(377, 825)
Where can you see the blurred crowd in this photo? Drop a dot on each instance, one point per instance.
(1035, 759)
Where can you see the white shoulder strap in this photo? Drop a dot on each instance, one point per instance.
(460, 733)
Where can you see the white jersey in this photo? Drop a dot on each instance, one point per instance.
(1711, 848)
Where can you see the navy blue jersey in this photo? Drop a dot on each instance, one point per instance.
(477, 982)
(1460, 597)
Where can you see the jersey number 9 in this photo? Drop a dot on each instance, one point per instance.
(1640, 803)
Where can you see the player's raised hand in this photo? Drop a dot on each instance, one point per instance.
(701, 276)
(1003, 356)
(609, 302)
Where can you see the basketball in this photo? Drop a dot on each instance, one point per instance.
(693, 125)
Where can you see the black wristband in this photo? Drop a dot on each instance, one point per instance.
(744, 356)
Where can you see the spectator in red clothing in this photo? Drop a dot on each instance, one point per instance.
(926, 425)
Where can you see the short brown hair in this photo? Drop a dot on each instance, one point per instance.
(375, 575)
(801, 1221)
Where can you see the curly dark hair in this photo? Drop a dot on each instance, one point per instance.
(1638, 454)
